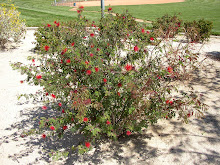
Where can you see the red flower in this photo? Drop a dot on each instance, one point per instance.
(33, 60)
(63, 111)
(48, 25)
(75, 91)
(46, 94)
(91, 55)
(105, 80)
(72, 119)
(64, 127)
(38, 77)
(52, 127)
(78, 11)
(96, 69)
(60, 104)
(158, 77)
(44, 107)
(119, 85)
(46, 48)
(87, 62)
(151, 38)
(43, 136)
(87, 144)
(119, 94)
(98, 49)
(92, 34)
(170, 69)
(179, 24)
(68, 61)
(85, 119)
(136, 48)
(64, 51)
(81, 7)
(61, 61)
(188, 115)
(21, 81)
(128, 67)
(88, 72)
(109, 9)
(57, 24)
(54, 96)
(92, 46)
(142, 30)
(128, 133)
(169, 102)
(108, 122)
(72, 44)
(148, 32)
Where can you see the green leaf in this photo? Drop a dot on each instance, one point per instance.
(131, 110)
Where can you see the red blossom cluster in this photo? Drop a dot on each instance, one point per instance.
(80, 9)
(46, 48)
(128, 67)
(136, 48)
(170, 69)
(109, 9)
(56, 23)
(169, 102)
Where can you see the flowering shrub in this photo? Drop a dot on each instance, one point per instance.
(108, 80)
(11, 26)
(167, 26)
(196, 31)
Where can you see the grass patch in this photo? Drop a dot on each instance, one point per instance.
(38, 12)
(190, 10)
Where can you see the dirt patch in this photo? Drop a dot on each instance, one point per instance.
(119, 2)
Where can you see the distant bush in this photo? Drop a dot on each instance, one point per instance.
(167, 26)
(196, 31)
(11, 26)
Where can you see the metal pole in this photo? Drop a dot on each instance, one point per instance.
(55, 2)
(102, 7)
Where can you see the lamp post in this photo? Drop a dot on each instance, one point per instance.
(102, 7)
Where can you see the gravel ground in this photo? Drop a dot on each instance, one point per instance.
(168, 142)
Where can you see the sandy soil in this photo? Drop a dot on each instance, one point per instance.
(120, 2)
(169, 142)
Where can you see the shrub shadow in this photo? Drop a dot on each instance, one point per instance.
(215, 55)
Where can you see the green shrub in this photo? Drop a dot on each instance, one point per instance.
(107, 80)
(11, 26)
(196, 31)
(167, 26)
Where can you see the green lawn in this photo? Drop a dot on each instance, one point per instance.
(190, 10)
(37, 12)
